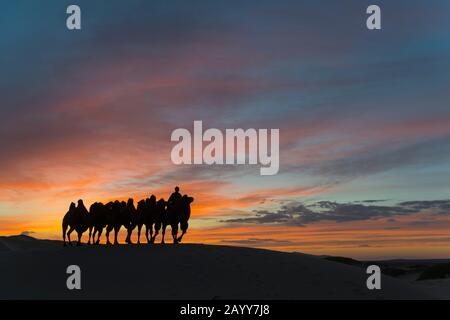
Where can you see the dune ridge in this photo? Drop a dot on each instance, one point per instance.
(36, 269)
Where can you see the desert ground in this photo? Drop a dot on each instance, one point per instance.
(36, 269)
(431, 276)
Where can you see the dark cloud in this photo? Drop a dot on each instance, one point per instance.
(259, 242)
(392, 228)
(441, 206)
(299, 214)
(421, 223)
(287, 214)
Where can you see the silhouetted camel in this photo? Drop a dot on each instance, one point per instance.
(185, 214)
(148, 217)
(145, 214)
(133, 220)
(157, 218)
(99, 213)
(116, 214)
(117, 217)
(172, 218)
(178, 212)
(69, 218)
(137, 219)
(78, 219)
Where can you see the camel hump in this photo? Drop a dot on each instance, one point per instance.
(71, 211)
(141, 205)
(93, 207)
(80, 207)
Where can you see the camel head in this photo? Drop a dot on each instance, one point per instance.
(187, 199)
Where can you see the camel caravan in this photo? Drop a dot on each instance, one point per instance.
(150, 213)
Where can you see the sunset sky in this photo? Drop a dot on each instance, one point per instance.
(364, 118)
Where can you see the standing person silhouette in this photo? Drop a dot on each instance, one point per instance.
(174, 197)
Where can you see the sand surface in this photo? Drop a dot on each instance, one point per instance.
(36, 269)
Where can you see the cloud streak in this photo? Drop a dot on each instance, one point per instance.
(299, 214)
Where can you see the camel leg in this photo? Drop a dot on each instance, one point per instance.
(93, 235)
(184, 228)
(80, 234)
(64, 227)
(181, 236)
(175, 233)
(99, 235)
(146, 233)
(157, 228)
(116, 231)
(150, 229)
(90, 235)
(108, 230)
(163, 232)
(129, 231)
(68, 234)
(139, 234)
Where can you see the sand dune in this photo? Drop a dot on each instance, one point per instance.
(36, 269)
